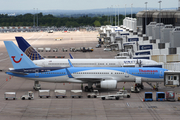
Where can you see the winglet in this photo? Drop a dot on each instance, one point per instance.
(71, 56)
(70, 63)
(28, 49)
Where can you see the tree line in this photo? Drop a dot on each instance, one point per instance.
(50, 20)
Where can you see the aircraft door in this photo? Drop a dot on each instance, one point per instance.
(36, 73)
(126, 73)
(161, 75)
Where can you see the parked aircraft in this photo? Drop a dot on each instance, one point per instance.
(106, 77)
(40, 61)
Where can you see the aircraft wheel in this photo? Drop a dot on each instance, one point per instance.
(103, 98)
(86, 89)
(117, 98)
(90, 89)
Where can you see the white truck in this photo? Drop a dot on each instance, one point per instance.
(29, 95)
(124, 93)
(94, 94)
(135, 89)
(116, 96)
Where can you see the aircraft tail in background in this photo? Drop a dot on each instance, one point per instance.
(28, 49)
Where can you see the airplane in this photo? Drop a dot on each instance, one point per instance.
(40, 61)
(105, 77)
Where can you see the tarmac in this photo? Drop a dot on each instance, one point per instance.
(52, 108)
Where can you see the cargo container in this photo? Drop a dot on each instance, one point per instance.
(160, 96)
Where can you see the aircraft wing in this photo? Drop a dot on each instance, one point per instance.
(21, 73)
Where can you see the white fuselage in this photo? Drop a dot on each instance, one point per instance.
(91, 62)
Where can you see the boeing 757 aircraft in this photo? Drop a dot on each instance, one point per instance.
(106, 77)
(40, 61)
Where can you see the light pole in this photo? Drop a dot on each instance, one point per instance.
(118, 15)
(112, 15)
(131, 10)
(159, 19)
(37, 17)
(125, 10)
(131, 16)
(107, 14)
(34, 18)
(146, 17)
(115, 14)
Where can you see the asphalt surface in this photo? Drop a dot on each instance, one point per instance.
(75, 108)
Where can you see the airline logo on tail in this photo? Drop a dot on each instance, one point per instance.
(13, 57)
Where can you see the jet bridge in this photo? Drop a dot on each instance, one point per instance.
(171, 78)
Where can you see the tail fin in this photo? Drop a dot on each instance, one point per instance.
(70, 63)
(71, 56)
(28, 49)
(18, 58)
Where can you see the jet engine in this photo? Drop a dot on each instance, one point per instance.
(108, 84)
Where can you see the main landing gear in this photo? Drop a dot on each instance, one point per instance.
(89, 88)
(36, 86)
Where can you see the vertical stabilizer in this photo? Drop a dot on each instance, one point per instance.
(28, 49)
(18, 58)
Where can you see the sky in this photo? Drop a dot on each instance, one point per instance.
(81, 4)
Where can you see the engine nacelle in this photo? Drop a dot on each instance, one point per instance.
(108, 84)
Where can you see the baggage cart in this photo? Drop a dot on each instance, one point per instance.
(76, 93)
(170, 96)
(60, 93)
(160, 96)
(148, 96)
(10, 95)
(44, 93)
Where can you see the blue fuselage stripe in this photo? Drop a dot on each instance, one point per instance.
(54, 72)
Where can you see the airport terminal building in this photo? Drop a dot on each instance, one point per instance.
(165, 16)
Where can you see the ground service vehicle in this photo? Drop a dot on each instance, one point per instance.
(170, 96)
(94, 94)
(135, 89)
(124, 93)
(98, 45)
(90, 49)
(29, 95)
(148, 96)
(178, 96)
(160, 96)
(116, 96)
